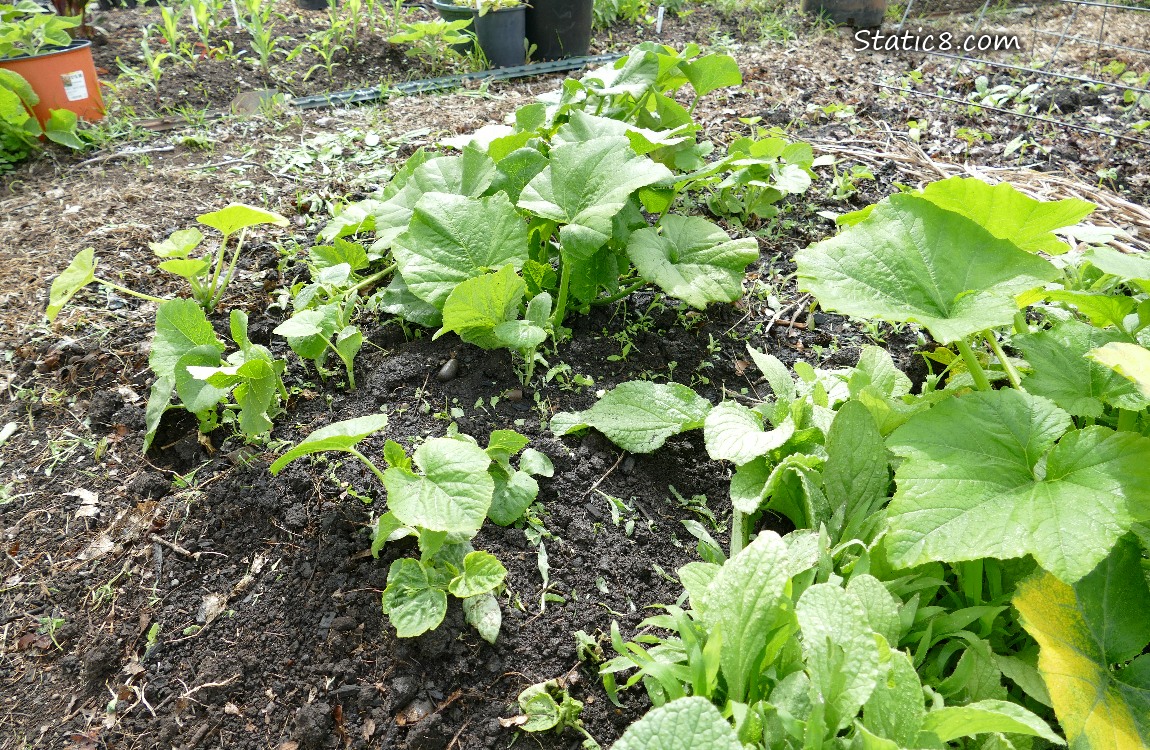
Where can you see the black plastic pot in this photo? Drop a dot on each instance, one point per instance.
(449, 12)
(313, 4)
(559, 28)
(861, 14)
(501, 34)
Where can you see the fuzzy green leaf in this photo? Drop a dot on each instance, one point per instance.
(338, 436)
(735, 433)
(639, 416)
(690, 723)
(475, 307)
(79, 273)
(453, 493)
(239, 216)
(481, 573)
(410, 601)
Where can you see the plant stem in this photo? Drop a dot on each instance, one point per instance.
(738, 532)
(129, 292)
(367, 462)
(638, 105)
(217, 266)
(1127, 420)
(368, 281)
(621, 293)
(972, 365)
(1011, 372)
(1020, 324)
(218, 294)
(561, 303)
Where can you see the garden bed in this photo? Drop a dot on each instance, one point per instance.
(125, 548)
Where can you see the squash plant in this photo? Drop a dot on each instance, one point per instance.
(440, 495)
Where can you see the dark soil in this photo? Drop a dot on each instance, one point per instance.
(127, 550)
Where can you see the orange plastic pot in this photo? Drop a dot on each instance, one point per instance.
(63, 79)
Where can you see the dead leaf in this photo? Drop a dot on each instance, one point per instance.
(232, 709)
(89, 502)
(211, 607)
(289, 745)
(368, 729)
(514, 721)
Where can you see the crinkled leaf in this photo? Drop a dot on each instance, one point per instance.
(79, 273)
(951, 722)
(639, 416)
(856, 477)
(1008, 214)
(513, 495)
(692, 259)
(452, 494)
(843, 658)
(746, 602)
(475, 307)
(585, 185)
(880, 606)
(983, 477)
(1086, 633)
(895, 709)
(1064, 374)
(239, 216)
(735, 433)
(410, 601)
(180, 327)
(1128, 360)
(690, 723)
(338, 436)
(452, 238)
(482, 613)
(912, 261)
(481, 573)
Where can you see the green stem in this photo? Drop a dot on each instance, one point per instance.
(218, 294)
(1020, 324)
(1011, 372)
(638, 105)
(217, 266)
(129, 292)
(368, 281)
(621, 293)
(1127, 420)
(561, 303)
(367, 462)
(346, 365)
(971, 576)
(973, 366)
(738, 532)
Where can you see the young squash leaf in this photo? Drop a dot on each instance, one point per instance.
(1088, 634)
(412, 601)
(178, 245)
(481, 573)
(1063, 373)
(1008, 214)
(997, 474)
(482, 613)
(735, 433)
(338, 436)
(452, 494)
(453, 238)
(711, 73)
(912, 261)
(237, 216)
(476, 307)
(1128, 360)
(692, 259)
(638, 416)
(79, 273)
(1130, 266)
(692, 722)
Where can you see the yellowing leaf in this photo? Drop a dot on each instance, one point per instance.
(1128, 360)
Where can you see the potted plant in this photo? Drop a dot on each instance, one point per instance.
(501, 29)
(861, 14)
(36, 44)
(451, 12)
(559, 28)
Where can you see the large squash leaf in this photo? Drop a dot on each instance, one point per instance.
(912, 261)
(996, 474)
(477, 306)
(639, 416)
(692, 259)
(1128, 360)
(1087, 632)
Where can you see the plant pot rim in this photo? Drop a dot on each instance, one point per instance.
(75, 45)
(468, 8)
(512, 9)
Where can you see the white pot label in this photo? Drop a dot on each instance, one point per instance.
(75, 87)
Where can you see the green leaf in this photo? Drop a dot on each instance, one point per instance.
(475, 307)
(348, 342)
(79, 273)
(239, 216)
(585, 185)
(454, 492)
(180, 327)
(638, 416)
(397, 299)
(540, 709)
(1100, 309)
(186, 268)
(712, 72)
(692, 259)
(856, 477)
(1064, 374)
(412, 604)
(19, 86)
(747, 602)
(983, 477)
(1130, 266)
(1128, 360)
(520, 335)
(951, 722)
(516, 170)
(842, 655)
(895, 709)
(881, 607)
(777, 375)
(452, 238)
(196, 394)
(512, 496)
(912, 261)
(1008, 214)
(691, 723)
(735, 433)
(61, 128)
(256, 395)
(481, 573)
(482, 613)
(1086, 633)
(338, 436)
(536, 463)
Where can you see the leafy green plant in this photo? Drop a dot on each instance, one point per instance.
(430, 40)
(29, 29)
(441, 495)
(548, 706)
(187, 357)
(208, 276)
(19, 128)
